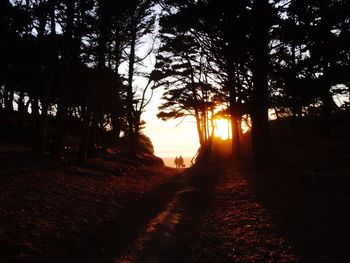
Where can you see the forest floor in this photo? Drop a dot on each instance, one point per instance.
(102, 212)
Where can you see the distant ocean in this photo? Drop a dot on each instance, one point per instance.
(170, 161)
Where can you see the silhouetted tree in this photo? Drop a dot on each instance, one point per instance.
(141, 22)
(182, 69)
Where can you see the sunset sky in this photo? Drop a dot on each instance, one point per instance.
(170, 139)
(173, 137)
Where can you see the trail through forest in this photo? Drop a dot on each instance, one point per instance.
(64, 212)
(203, 215)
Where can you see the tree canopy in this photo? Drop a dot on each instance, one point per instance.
(61, 61)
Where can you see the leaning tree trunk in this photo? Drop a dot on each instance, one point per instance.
(259, 103)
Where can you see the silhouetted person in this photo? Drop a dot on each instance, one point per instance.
(176, 162)
(181, 162)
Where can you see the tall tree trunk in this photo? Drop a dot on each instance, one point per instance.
(199, 129)
(137, 123)
(61, 119)
(212, 133)
(116, 111)
(48, 87)
(43, 128)
(295, 106)
(236, 137)
(84, 141)
(62, 110)
(259, 103)
(130, 94)
(116, 127)
(93, 130)
(21, 106)
(9, 96)
(232, 83)
(103, 35)
(2, 97)
(67, 79)
(328, 62)
(327, 102)
(35, 107)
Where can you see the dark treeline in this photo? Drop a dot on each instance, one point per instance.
(61, 60)
(216, 59)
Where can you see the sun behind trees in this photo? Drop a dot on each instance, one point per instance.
(266, 85)
(71, 67)
(245, 58)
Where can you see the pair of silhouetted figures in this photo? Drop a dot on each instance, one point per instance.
(179, 162)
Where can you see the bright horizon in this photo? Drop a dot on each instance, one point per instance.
(170, 139)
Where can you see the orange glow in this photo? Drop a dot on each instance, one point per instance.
(244, 127)
(222, 128)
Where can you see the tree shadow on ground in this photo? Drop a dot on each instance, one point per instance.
(158, 227)
(311, 211)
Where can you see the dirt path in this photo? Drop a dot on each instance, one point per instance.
(205, 215)
(155, 214)
(151, 229)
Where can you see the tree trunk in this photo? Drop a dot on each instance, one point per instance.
(236, 140)
(259, 103)
(116, 110)
(116, 127)
(103, 35)
(42, 138)
(236, 144)
(35, 107)
(67, 79)
(61, 119)
(93, 131)
(84, 141)
(327, 102)
(212, 133)
(137, 124)
(2, 97)
(130, 94)
(43, 125)
(21, 107)
(9, 94)
(199, 129)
